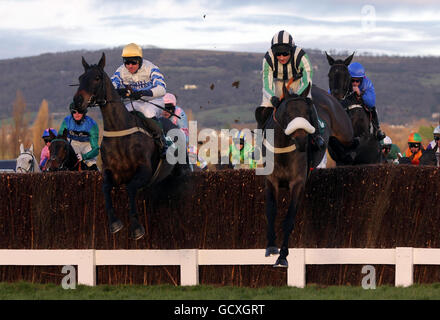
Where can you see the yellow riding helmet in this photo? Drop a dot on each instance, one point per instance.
(132, 50)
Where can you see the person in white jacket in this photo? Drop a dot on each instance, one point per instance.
(142, 86)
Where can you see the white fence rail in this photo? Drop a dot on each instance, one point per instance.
(189, 260)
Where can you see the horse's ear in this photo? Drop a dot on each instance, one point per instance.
(101, 62)
(85, 64)
(348, 60)
(21, 148)
(330, 60)
(305, 93)
(65, 133)
(52, 135)
(31, 149)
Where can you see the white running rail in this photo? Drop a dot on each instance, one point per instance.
(189, 260)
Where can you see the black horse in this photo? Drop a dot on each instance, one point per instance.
(368, 150)
(294, 155)
(129, 154)
(63, 157)
(429, 157)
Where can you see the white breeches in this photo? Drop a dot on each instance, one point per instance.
(148, 109)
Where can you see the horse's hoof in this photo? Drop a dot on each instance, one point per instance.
(270, 251)
(116, 226)
(137, 233)
(281, 263)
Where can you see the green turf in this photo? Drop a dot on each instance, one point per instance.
(29, 291)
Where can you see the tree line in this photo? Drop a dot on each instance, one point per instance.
(19, 128)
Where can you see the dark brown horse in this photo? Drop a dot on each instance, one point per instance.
(63, 156)
(129, 155)
(294, 156)
(368, 150)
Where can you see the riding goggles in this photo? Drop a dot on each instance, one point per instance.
(436, 138)
(284, 54)
(414, 145)
(388, 148)
(356, 80)
(46, 140)
(128, 62)
(76, 111)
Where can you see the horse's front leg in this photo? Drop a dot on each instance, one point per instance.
(142, 176)
(296, 192)
(271, 213)
(114, 223)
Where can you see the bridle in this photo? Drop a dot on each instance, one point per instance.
(62, 166)
(286, 101)
(98, 99)
(347, 83)
(31, 167)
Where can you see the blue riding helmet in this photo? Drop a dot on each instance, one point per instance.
(356, 70)
(46, 132)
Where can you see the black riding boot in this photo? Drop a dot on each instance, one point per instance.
(158, 136)
(380, 135)
(318, 141)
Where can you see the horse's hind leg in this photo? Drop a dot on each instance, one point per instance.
(114, 223)
(271, 213)
(143, 175)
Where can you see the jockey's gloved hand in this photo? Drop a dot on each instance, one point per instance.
(147, 93)
(275, 101)
(123, 92)
(135, 95)
(79, 156)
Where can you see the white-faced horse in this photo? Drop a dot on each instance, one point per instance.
(26, 161)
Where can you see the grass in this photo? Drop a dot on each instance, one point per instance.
(30, 291)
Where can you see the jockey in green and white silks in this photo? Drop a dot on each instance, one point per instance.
(83, 135)
(296, 74)
(285, 64)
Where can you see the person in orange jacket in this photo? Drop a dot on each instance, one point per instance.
(415, 148)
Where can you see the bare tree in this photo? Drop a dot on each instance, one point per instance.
(20, 131)
(40, 124)
(4, 140)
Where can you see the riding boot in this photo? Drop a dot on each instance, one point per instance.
(317, 140)
(158, 136)
(379, 134)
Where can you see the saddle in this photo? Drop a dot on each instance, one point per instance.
(149, 123)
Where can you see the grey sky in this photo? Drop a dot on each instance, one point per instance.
(385, 27)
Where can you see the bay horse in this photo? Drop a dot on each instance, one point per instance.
(294, 156)
(129, 154)
(63, 156)
(368, 151)
(26, 161)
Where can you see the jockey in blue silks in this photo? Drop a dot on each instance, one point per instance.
(364, 92)
(142, 85)
(83, 134)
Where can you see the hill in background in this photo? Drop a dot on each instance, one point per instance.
(221, 88)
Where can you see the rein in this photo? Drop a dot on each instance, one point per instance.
(287, 149)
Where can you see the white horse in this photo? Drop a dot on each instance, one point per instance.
(26, 161)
